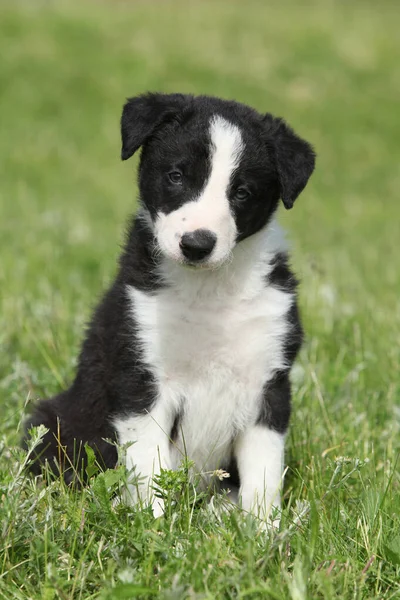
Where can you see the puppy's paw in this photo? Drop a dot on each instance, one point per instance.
(131, 497)
(266, 509)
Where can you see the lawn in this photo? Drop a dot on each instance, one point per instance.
(331, 69)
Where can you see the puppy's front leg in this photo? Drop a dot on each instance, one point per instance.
(259, 450)
(148, 453)
(259, 453)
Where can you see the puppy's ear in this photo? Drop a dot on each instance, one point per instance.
(142, 115)
(295, 158)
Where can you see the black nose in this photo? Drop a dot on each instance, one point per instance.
(197, 244)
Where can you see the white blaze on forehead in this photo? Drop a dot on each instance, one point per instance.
(210, 209)
(227, 148)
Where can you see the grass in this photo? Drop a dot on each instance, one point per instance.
(332, 70)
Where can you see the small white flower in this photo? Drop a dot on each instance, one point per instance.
(221, 474)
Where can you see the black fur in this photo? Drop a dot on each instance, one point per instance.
(174, 132)
(276, 407)
(275, 411)
(110, 374)
(282, 278)
(295, 160)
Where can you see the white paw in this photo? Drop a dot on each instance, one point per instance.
(268, 510)
(131, 496)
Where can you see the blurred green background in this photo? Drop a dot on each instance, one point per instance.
(331, 69)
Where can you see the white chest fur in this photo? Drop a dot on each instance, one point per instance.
(212, 340)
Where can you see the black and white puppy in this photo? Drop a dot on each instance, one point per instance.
(189, 351)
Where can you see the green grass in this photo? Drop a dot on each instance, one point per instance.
(331, 69)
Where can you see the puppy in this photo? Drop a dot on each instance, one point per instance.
(189, 351)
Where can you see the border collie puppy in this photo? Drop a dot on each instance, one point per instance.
(189, 351)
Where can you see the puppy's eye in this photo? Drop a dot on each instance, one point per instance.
(241, 194)
(175, 177)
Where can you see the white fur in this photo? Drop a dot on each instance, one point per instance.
(148, 451)
(212, 339)
(211, 209)
(260, 453)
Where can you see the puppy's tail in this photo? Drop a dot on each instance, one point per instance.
(62, 451)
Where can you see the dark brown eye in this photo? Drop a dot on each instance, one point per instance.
(175, 177)
(241, 194)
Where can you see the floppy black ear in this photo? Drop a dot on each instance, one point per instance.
(295, 159)
(142, 115)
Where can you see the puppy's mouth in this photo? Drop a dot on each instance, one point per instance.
(203, 265)
(207, 264)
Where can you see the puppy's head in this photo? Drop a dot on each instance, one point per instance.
(211, 171)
